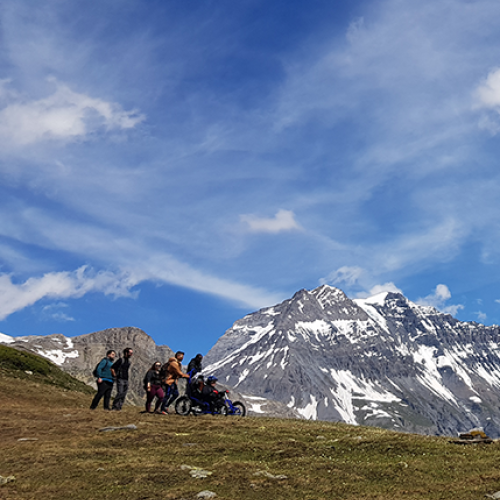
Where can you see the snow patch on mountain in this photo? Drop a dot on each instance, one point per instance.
(6, 339)
(255, 403)
(57, 356)
(309, 411)
(349, 387)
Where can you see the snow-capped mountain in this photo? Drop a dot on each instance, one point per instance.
(381, 361)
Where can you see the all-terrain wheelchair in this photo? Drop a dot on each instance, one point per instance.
(191, 402)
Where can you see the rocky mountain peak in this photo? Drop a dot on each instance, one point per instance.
(382, 361)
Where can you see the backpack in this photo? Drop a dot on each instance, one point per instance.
(94, 371)
(164, 370)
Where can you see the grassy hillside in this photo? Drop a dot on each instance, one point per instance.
(28, 367)
(70, 458)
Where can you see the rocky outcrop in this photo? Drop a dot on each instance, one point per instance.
(79, 355)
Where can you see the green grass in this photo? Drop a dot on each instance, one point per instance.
(15, 363)
(72, 459)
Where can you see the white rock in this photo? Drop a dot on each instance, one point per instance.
(206, 494)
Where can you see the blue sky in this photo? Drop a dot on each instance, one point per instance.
(176, 165)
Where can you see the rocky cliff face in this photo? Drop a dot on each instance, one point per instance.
(381, 361)
(79, 355)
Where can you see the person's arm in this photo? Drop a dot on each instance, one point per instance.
(178, 372)
(149, 376)
(116, 367)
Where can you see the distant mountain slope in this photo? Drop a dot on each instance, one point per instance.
(381, 361)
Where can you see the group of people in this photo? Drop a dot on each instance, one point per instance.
(107, 372)
(160, 382)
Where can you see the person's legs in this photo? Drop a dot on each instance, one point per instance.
(165, 399)
(122, 389)
(150, 396)
(160, 396)
(173, 394)
(101, 389)
(107, 394)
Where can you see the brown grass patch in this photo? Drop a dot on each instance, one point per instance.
(72, 460)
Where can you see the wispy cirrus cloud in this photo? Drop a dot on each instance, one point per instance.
(345, 275)
(60, 285)
(55, 312)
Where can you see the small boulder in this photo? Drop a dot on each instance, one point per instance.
(269, 475)
(130, 427)
(206, 494)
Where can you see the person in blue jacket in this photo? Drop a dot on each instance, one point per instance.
(104, 381)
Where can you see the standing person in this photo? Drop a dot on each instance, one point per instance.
(194, 365)
(120, 372)
(152, 384)
(104, 381)
(173, 371)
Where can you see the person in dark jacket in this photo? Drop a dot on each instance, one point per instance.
(153, 386)
(211, 395)
(194, 365)
(104, 381)
(120, 371)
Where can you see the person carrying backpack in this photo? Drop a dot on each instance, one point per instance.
(104, 381)
(173, 372)
(120, 371)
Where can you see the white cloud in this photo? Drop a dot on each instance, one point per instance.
(488, 92)
(487, 96)
(438, 298)
(57, 285)
(345, 274)
(65, 115)
(160, 269)
(163, 268)
(385, 287)
(284, 220)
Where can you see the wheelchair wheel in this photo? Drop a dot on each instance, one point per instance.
(183, 406)
(239, 409)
